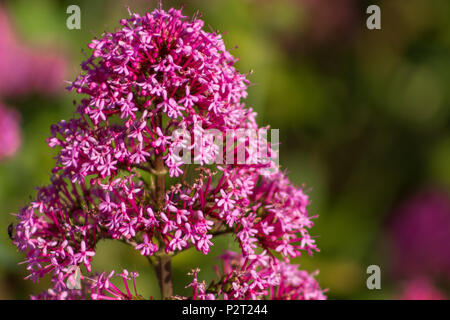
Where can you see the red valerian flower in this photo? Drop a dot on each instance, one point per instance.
(159, 73)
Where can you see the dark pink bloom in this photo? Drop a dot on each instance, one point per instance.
(159, 73)
(421, 237)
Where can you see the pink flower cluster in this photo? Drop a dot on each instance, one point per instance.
(119, 175)
(259, 276)
(99, 287)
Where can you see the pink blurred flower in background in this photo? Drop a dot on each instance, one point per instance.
(421, 289)
(27, 69)
(9, 133)
(421, 244)
(23, 70)
(420, 231)
(330, 20)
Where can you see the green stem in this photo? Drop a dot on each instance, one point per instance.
(164, 273)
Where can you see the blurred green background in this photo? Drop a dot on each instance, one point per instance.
(363, 116)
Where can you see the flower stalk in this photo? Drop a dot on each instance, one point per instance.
(164, 274)
(163, 267)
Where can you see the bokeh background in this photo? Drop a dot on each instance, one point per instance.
(364, 119)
